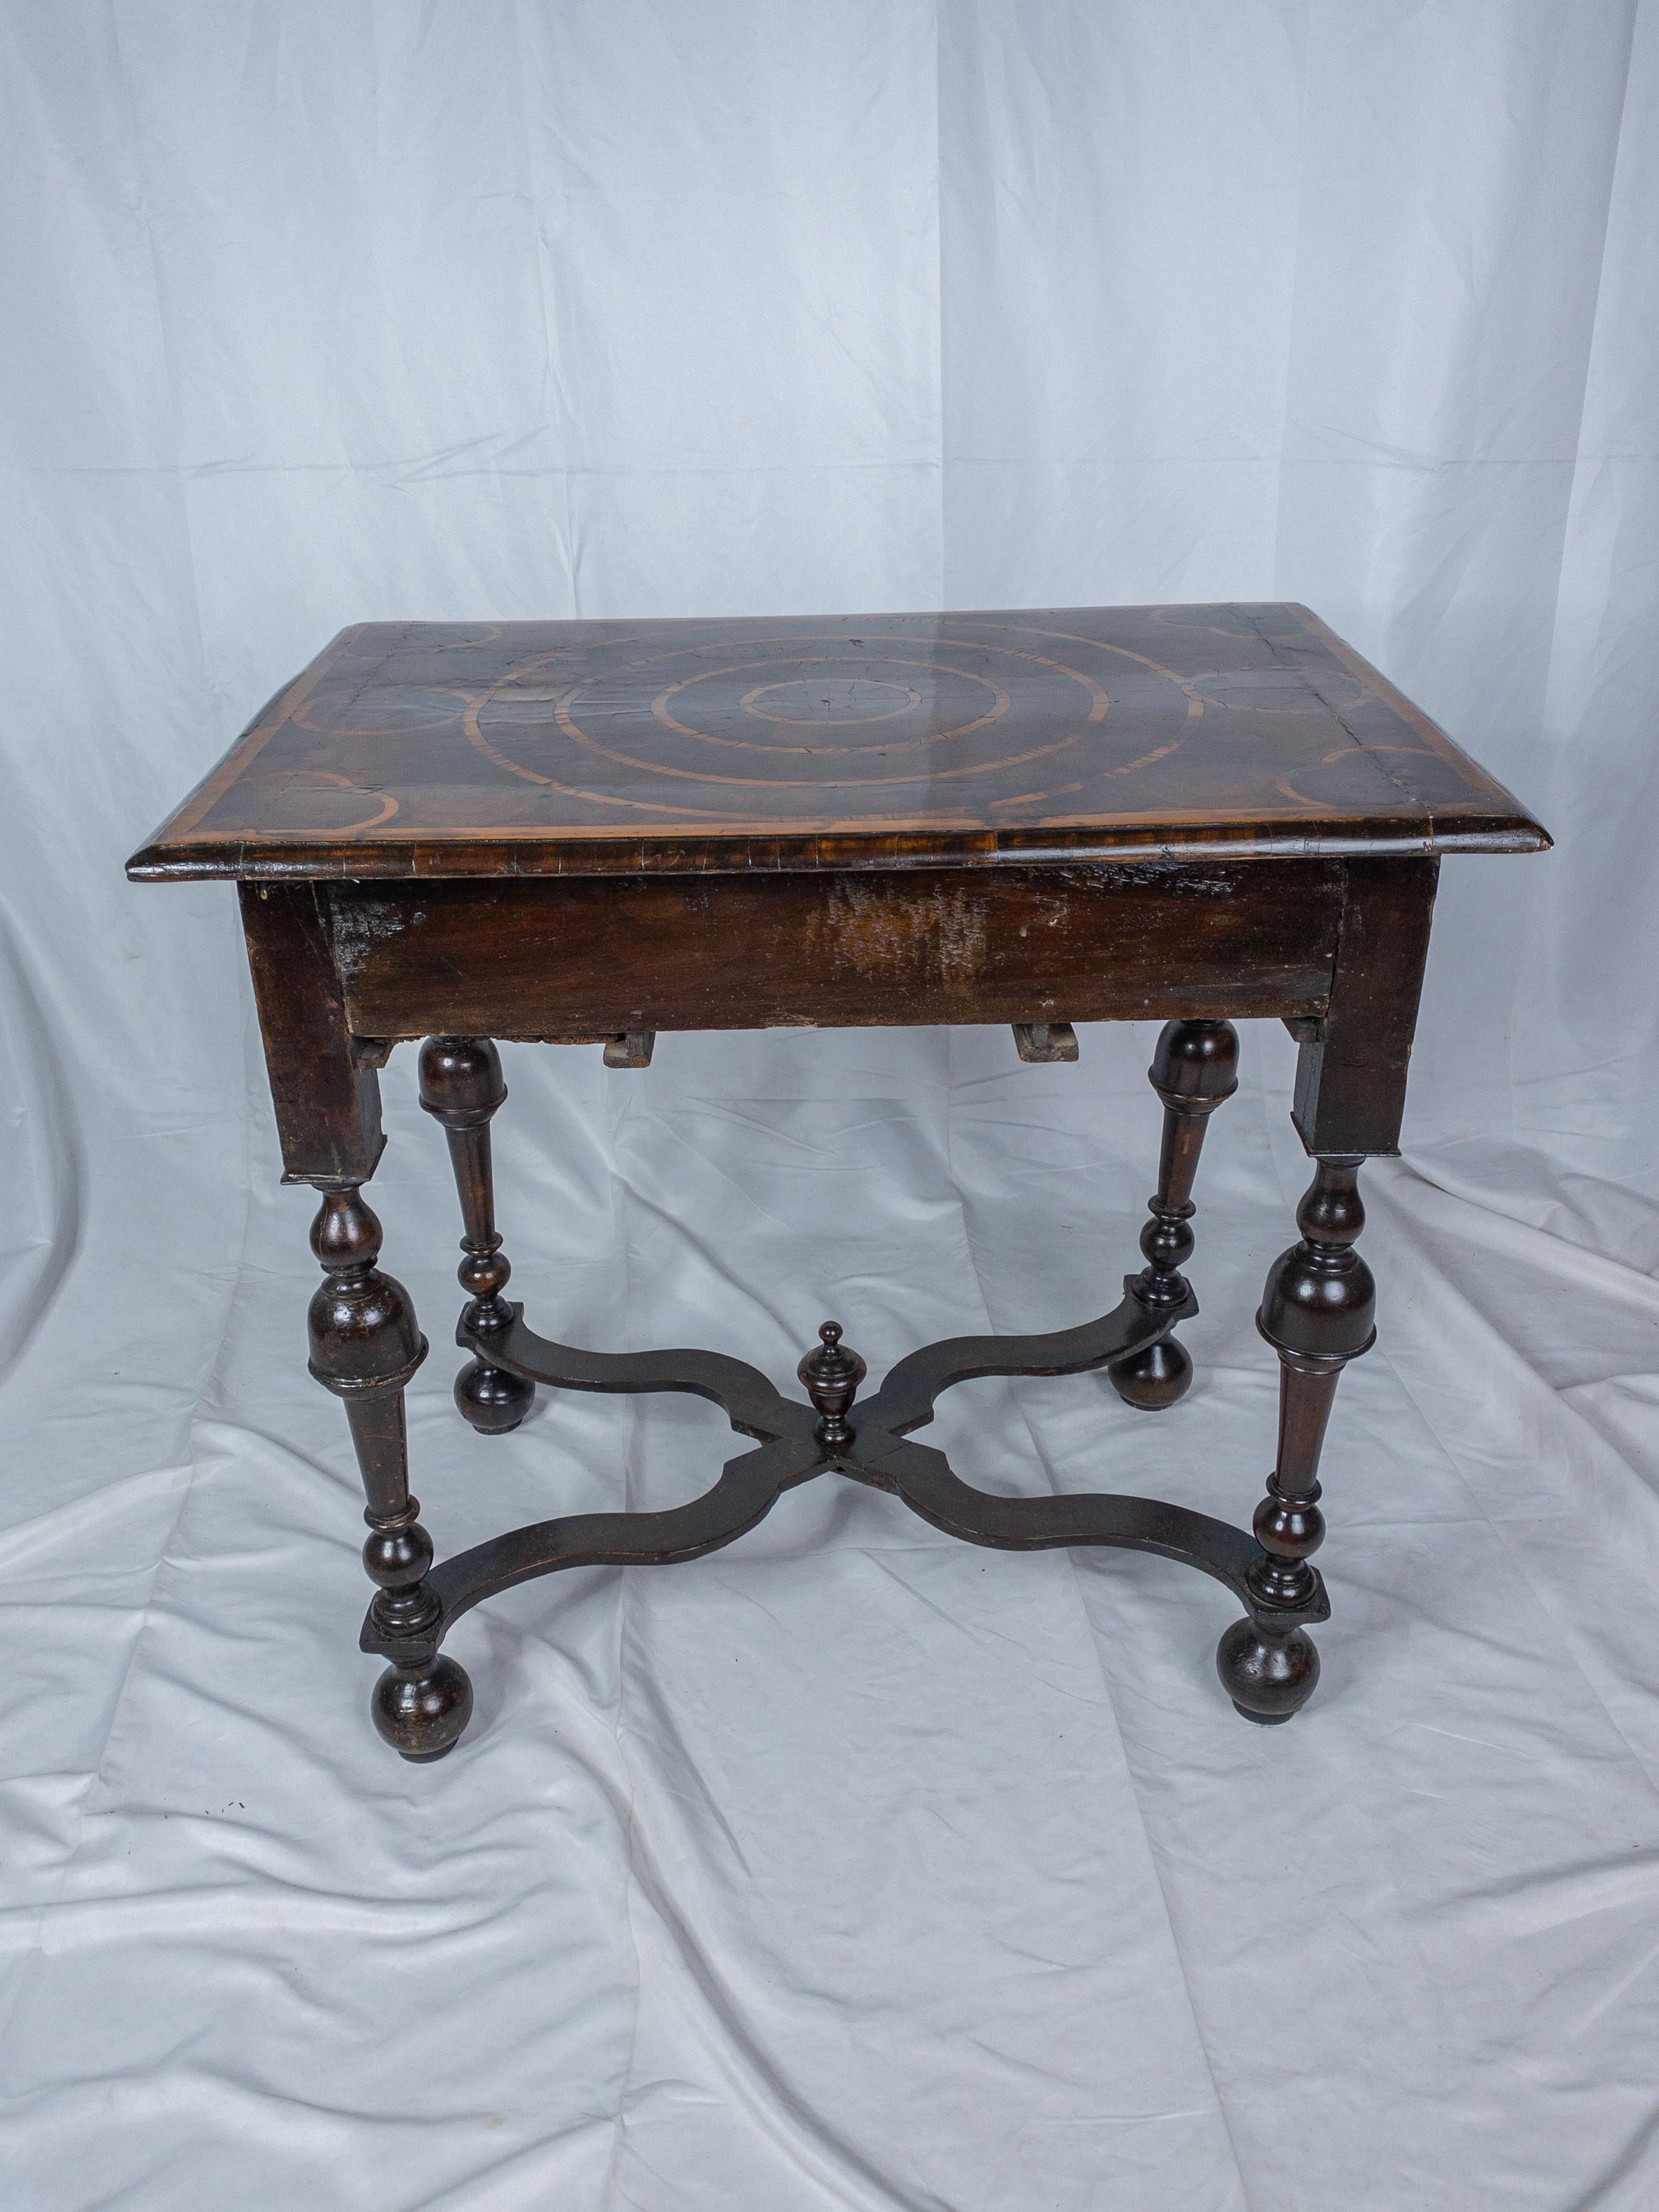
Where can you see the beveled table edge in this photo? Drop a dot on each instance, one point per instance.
(507, 855)
(1495, 822)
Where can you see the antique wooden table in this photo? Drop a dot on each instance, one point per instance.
(586, 832)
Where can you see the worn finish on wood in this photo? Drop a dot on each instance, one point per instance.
(1195, 1069)
(461, 1087)
(1040, 1043)
(1318, 1312)
(594, 831)
(1070, 943)
(1351, 1077)
(430, 749)
(324, 1082)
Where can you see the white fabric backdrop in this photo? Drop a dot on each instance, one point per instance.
(850, 1867)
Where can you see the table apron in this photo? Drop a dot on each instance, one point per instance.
(595, 957)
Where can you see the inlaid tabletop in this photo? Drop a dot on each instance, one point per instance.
(551, 748)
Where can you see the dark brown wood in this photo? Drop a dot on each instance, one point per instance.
(1351, 1078)
(519, 749)
(461, 1087)
(591, 958)
(1195, 1069)
(325, 1085)
(592, 831)
(795, 1448)
(1318, 1312)
(831, 1374)
(365, 1345)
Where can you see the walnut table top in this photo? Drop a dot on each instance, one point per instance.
(597, 748)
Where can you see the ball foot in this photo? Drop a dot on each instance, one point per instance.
(492, 1399)
(1154, 1378)
(1268, 1678)
(421, 1711)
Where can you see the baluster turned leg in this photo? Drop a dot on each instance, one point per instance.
(1317, 1313)
(1195, 1069)
(365, 1345)
(461, 1086)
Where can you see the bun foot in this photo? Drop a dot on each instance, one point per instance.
(1268, 1678)
(491, 1398)
(1152, 1379)
(421, 1711)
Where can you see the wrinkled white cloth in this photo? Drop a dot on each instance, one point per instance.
(851, 1867)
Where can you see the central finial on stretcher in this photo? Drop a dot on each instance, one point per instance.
(831, 1376)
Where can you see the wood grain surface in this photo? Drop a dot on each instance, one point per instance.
(595, 958)
(628, 748)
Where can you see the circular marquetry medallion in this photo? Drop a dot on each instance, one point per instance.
(773, 726)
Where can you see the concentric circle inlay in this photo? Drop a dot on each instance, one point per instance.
(837, 741)
(830, 702)
(761, 723)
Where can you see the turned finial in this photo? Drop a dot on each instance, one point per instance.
(831, 1376)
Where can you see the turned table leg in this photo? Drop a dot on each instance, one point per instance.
(1195, 1069)
(1317, 1312)
(461, 1086)
(365, 1345)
